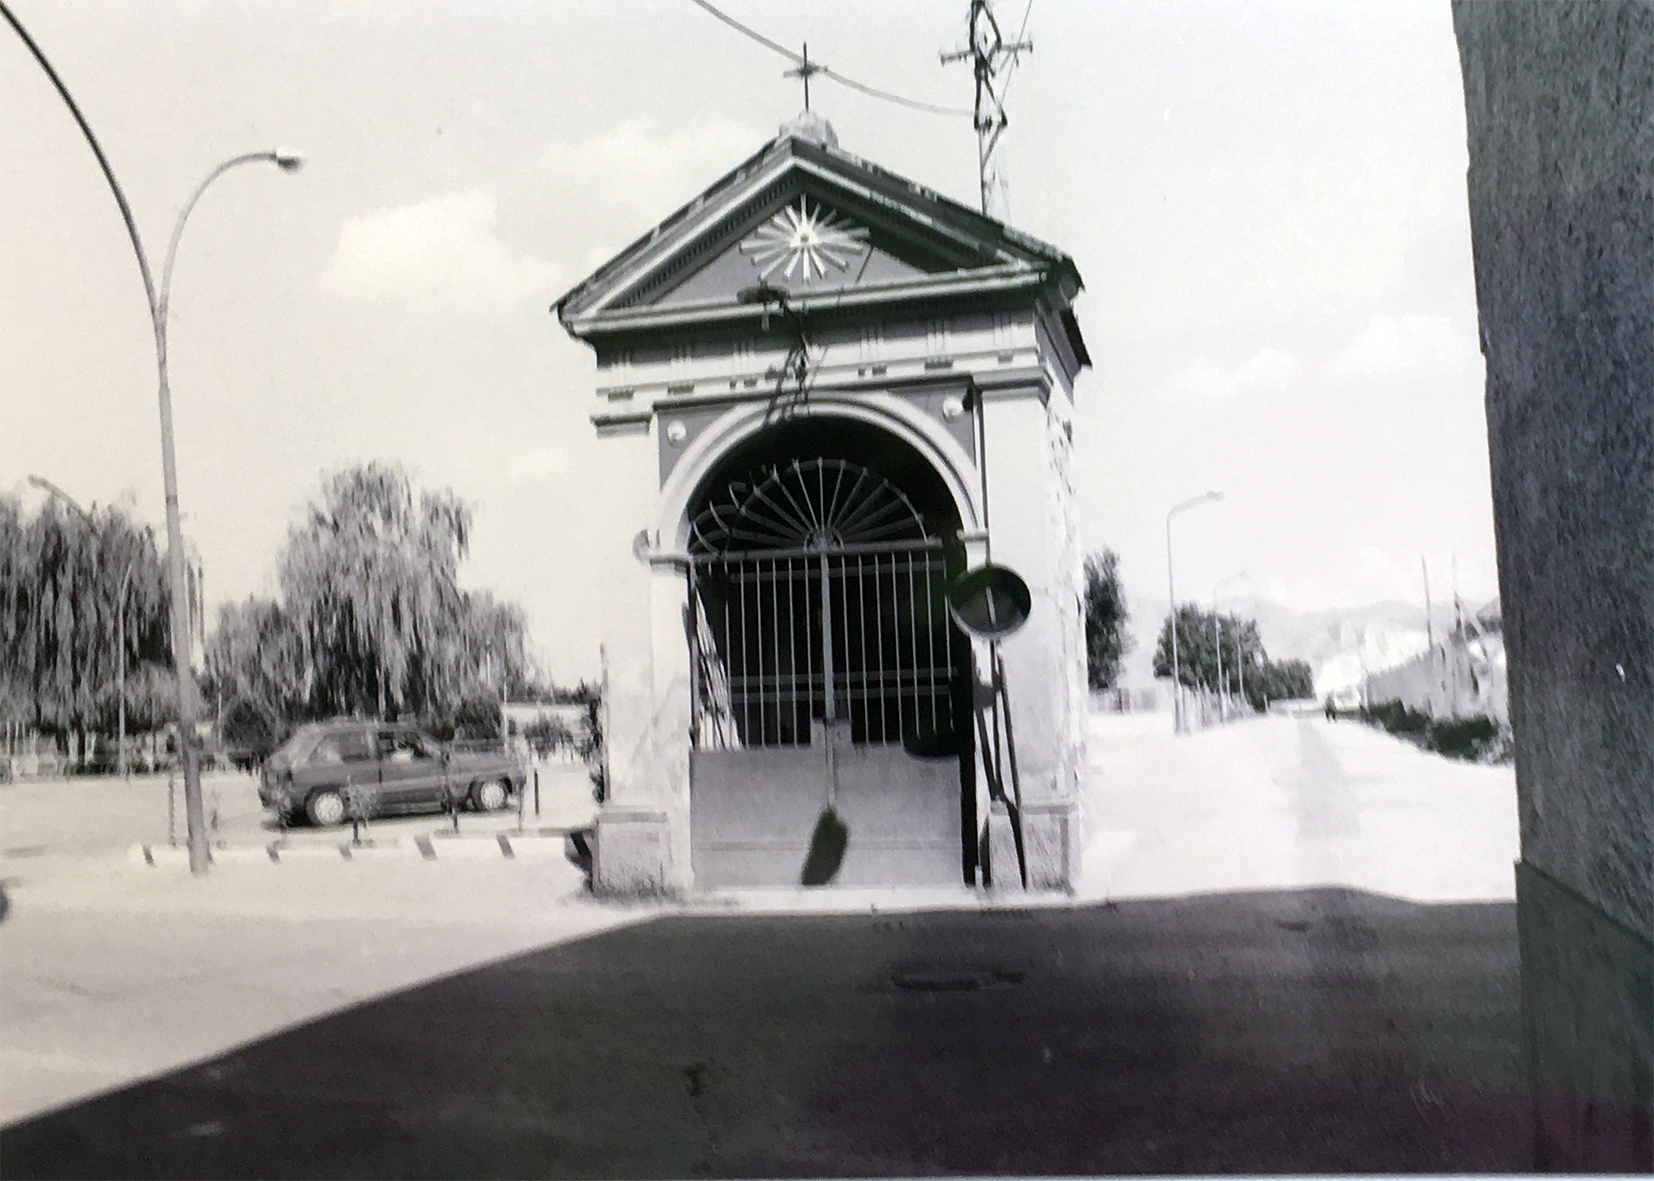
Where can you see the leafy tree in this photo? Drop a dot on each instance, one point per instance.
(256, 654)
(1288, 680)
(369, 580)
(1198, 634)
(1197, 658)
(74, 590)
(372, 621)
(1106, 640)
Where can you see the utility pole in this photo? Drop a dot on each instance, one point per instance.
(989, 55)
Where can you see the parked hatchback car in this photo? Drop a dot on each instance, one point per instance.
(327, 770)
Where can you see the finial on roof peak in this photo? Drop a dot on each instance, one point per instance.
(810, 127)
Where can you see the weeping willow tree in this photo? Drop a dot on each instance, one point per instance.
(83, 598)
(372, 619)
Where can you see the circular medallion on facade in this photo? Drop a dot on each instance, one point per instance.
(676, 432)
(807, 240)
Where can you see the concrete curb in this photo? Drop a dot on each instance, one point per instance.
(491, 846)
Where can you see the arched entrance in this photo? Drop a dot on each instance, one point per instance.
(830, 691)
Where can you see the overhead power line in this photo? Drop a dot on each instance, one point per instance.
(818, 68)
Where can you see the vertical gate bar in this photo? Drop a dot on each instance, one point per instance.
(775, 615)
(844, 638)
(729, 664)
(828, 705)
(896, 647)
(694, 663)
(913, 634)
(809, 648)
(878, 623)
(930, 640)
(746, 713)
(792, 647)
(861, 619)
(758, 616)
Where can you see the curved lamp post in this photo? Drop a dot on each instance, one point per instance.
(287, 161)
(1171, 586)
(1217, 627)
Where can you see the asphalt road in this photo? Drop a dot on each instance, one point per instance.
(1324, 1030)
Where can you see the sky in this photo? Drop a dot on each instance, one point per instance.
(1266, 202)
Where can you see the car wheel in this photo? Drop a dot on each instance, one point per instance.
(491, 795)
(325, 809)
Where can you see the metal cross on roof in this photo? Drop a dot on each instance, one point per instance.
(803, 70)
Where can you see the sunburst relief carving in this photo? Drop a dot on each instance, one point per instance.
(806, 240)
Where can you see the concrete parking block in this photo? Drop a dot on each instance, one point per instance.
(484, 847)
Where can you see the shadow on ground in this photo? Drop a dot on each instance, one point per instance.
(1316, 1030)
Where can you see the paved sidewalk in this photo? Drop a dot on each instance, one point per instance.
(112, 971)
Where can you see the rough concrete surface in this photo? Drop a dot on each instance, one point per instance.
(1559, 99)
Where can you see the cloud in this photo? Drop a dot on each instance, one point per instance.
(444, 248)
(1398, 344)
(1268, 369)
(533, 467)
(651, 172)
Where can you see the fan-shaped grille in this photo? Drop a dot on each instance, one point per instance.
(810, 504)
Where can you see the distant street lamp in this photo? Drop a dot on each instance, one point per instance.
(1171, 586)
(1217, 626)
(287, 161)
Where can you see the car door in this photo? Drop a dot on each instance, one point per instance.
(340, 760)
(410, 771)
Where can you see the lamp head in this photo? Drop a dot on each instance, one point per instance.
(288, 159)
(1215, 494)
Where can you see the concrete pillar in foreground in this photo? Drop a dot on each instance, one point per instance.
(1560, 105)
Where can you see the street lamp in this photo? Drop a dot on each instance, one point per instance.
(288, 161)
(194, 814)
(1217, 627)
(1171, 586)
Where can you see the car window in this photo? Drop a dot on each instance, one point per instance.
(402, 746)
(356, 746)
(349, 746)
(294, 749)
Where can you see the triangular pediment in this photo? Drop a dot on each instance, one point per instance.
(812, 221)
(806, 246)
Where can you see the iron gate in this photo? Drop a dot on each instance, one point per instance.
(824, 664)
(770, 659)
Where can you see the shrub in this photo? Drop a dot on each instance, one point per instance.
(1476, 739)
